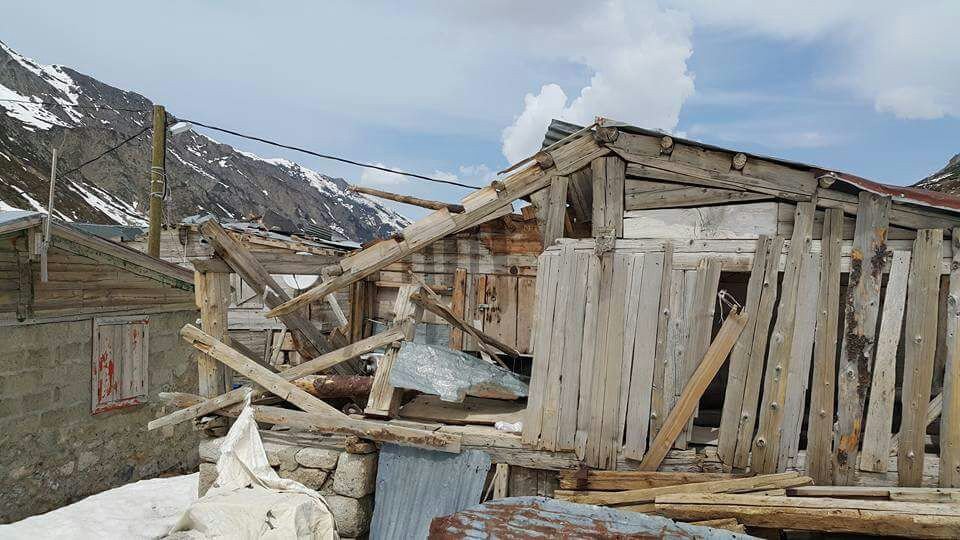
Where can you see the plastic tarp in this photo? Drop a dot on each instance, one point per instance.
(249, 500)
(451, 374)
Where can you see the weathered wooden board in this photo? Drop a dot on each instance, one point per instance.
(733, 222)
(862, 307)
(879, 424)
(950, 418)
(919, 348)
(820, 421)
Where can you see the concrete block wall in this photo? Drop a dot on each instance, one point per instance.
(53, 451)
(344, 473)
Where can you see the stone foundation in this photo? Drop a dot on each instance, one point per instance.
(344, 471)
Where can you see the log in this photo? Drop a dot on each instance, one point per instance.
(407, 199)
(335, 386)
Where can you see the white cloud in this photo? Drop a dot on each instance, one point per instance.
(899, 56)
(383, 178)
(637, 53)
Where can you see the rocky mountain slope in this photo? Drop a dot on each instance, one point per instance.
(204, 175)
(946, 179)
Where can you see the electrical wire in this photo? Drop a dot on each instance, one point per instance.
(326, 156)
(54, 104)
(109, 150)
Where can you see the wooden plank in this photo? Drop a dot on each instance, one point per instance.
(556, 210)
(255, 372)
(699, 318)
(799, 374)
(735, 485)
(213, 298)
(950, 418)
(820, 421)
(631, 312)
(481, 337)
(588, 354)
(384, 399)
(424, 232)
(586, 479)
(892, 518)
(526, 304)
(572, 350)
(658, 399)
(706, 371)
(739, 368)
(547, 278)
(316, 365)
(472, 410)
(605, 414)
(458, 306)
(647, 195)
(919, 348)
(555, 363)
(766, 448)
(734, 221)
(877, 432)
(673, 376)
(644, 352)
(407, 199)
(500, 318)
(608, 178)
(862, 306)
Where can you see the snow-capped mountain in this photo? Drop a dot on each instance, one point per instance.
(946, 179)
(203, 175)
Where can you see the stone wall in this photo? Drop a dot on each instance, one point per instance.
(344, 471)
(53, 451)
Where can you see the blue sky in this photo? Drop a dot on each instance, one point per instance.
(454, 88)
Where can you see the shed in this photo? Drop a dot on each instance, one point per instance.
(83, 356)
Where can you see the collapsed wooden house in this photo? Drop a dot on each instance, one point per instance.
(804, 318)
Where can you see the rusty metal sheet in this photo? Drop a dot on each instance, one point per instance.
(540, 517)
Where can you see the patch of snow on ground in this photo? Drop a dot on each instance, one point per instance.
(5, 206)
(144, 509)
(114, 208)
(33, 202)
(31, 114)
(56, 77)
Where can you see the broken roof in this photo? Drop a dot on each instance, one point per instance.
(558, 130)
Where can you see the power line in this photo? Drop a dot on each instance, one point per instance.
(326, 156)
(54, 104)
(109, 150)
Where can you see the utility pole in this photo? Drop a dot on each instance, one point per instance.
(157, 179)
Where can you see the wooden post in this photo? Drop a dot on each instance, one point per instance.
(46, 224)
(556, 210)
(384, 399)
(157, 179)
(919, 349)
(859, 335)
(608, 181)
(213, 299)
(950, 417)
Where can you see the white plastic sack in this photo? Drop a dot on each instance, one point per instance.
(250, 501)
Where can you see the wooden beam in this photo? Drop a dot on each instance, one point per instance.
(458, 306)
(556, 210)
(308, 339)
(479, 206)
(273, 382)
(446, 314)
(950, 419)
(706, 371)
(608, 177)
(597, 480)
(384, 399)
(859, 339)
(820, 421)
(213, 297)
(921, 330)
(310, 367)
(407, 199)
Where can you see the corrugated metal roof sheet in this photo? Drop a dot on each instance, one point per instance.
(559, 129)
